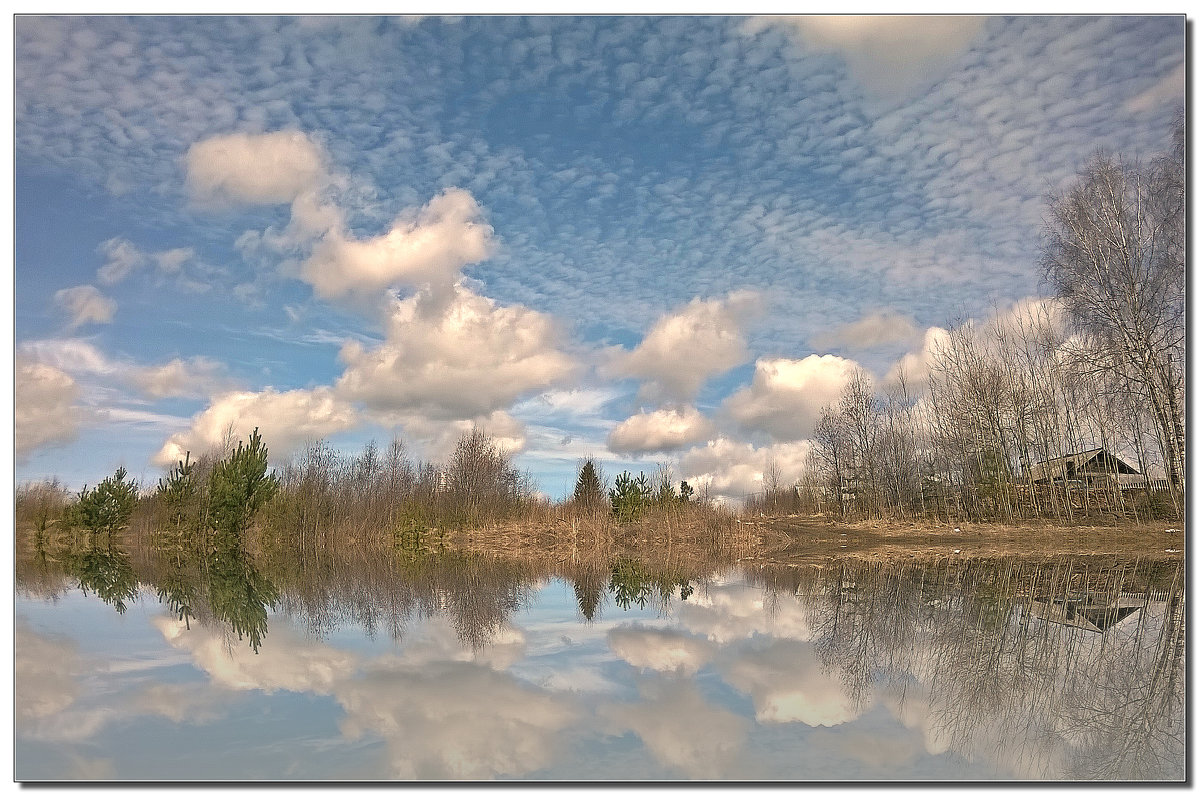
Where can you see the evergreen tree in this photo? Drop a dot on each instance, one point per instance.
(629, 496)
(239, 486)
(589, 494)
(106, 508)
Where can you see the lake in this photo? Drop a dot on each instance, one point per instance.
(134, 664)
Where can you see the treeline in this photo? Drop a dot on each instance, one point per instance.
(1101, 365)
(322, 498)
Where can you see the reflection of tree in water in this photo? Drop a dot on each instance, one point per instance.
(1006, 676)
(635, 583)
(590, 583)
(103, 569)
(238, 594)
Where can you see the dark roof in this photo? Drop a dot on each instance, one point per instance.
(1077, 462)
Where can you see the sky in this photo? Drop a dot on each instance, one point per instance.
(649, 240)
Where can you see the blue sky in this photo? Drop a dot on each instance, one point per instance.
(651, 240)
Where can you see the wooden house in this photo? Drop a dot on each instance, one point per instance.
(1096, 466)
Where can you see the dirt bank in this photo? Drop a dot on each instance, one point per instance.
(813, 539)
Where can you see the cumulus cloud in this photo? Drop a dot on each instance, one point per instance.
(683, 731)
(1030, 316)
(887, 55)
(429, 246)
(85, 304)
(684, 348)
(249, 168)
(455, 720)
(466, 359)
(660, 431)
(286, 421)
(663, 650)
(726, 612)
(787, 683)
(198, 376)
(44, 410)
(289, 662)
(441, 436)
(730, 470)
(785, 397)
(45, 674)
(914, 365)
(876, 329)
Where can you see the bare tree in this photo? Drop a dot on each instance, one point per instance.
(1115, 253)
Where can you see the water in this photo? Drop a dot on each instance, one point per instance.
(135, 664)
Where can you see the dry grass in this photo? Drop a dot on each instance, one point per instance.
(876, 540)
(559, 537)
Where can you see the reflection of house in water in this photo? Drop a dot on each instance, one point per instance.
(1088, 612)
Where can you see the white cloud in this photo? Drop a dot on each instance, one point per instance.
(731, 470)
(121, 259)
(1172, 88)
(198, 376)
(726, 612)
(172, 260)
(786, 395)
(888, 55)
(659, 431)
(44, 410)
(70, 354)
(286, 421)
(663, 650)
(455, 720)
(684, 348)
(683, 731)
(289, 662)
(1028, 316)
(454, 362)
(441, 436)
(85, 304)
(876, 329)
(44, 676)
(915, 364)
(429, 246)
(264, 168)
(787, 683)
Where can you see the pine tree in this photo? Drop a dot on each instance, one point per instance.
(239, 486)
(589, 494)
(106, 508)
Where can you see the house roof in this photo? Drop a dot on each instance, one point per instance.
(1053, 468)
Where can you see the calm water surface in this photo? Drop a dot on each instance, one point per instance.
(131, 666)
